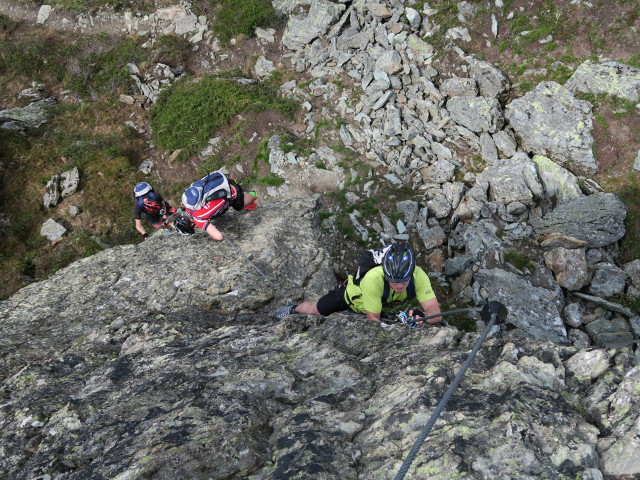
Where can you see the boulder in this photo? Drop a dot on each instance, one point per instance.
(535, 310)
(569, 267)
(52, 230)
(478, 114)
(597, 219)
(550, 121)
(303, 28)
(611, 78)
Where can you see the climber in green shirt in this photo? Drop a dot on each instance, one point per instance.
(393, 285)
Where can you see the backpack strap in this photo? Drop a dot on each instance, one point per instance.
(411, 290)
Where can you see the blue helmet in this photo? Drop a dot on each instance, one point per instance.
(141, 189)
(398, 263)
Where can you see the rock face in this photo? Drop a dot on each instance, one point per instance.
(160, 360)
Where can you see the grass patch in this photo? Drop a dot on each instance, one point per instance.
(270, 181)
(92, 66)
(628, 189)
(519, 260)
(230, 18)
(189, 113)
(107, 166)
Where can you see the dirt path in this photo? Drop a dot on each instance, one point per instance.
(65, 20)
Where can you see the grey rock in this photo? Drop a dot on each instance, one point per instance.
(476, 239)
(559, 183)
(440, 172)
(587, 365)
(492, 82)
(514, 180)
(611, 78)
(345, 136)
(32, 116)
(377, 9)
(488, 148)
(573, 313)
(52, 192)
(550, 121)
(43, 14)
(413, 17)
(505, 143)
(69, 182)
(636, 163)
(459, 87)
(598, 327)
(634, 324)
(303, 28)
(597, 219)
(616, 339)
(457, 265)
(146, 166)
(608, 280)
(555, 240)
(439, 206)
(419, 46)
(533, 309)
(432, 237)
(52, 230)
(74, 210)
(578, 338)
(390, 62)
(409, 210)
(263, 68)
(478, 114)
(605, 303)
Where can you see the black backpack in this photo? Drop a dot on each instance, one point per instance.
(372, 258)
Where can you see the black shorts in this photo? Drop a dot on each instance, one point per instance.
(238, 202)
(333, 301)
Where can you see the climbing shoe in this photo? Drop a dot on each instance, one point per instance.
(284, 312)
(254, 202)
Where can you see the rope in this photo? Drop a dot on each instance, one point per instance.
(443, 403)
(257, 269)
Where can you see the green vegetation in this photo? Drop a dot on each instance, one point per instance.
(236, 17)
(189, 113)
(632, 303)
(94, 65)
(106, 165)
(628, 189)
(519, 260)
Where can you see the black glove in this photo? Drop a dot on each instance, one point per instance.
(145, 235)
(417, 313)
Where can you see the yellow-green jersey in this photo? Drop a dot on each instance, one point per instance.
(368, 296)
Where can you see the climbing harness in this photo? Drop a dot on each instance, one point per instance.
(258, 270)
(491, 312)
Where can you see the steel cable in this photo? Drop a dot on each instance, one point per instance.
(443, 403)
